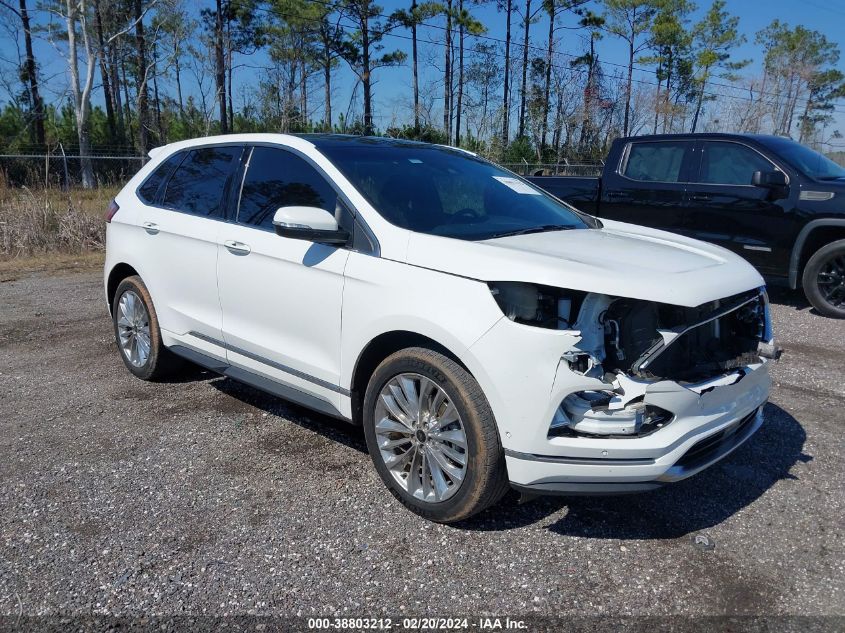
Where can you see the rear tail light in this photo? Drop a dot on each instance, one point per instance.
(113, 208)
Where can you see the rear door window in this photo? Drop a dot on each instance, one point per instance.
(149, 192)
(278, 178)
(198, 184)
(658, 161)
(730, 164)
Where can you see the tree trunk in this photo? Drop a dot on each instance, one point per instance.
(35, 102)
(522, 92)
(460, 79)
(628, 88)
(104, 73)
(698, 103)
(81, 93)
(506, 91)
(220, 67)
(547, 93)
(415, 65)
(447, 72)
(657, 103)
(365, 75)
(126, 102)
(230, 54)
(115, 86)
(303, 94)
(178, 75)
(327, 80)
(159, 129)
(143, 97)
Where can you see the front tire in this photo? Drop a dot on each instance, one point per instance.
(824, 280)
(137, 332)
(432, 436)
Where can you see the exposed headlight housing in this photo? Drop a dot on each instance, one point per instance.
(540, 306)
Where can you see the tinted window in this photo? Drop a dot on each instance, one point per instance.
(809, 161)
(655, 162)
(731, 164)
(147, 191)
(439, 191)
(277, 178)
(197, 185)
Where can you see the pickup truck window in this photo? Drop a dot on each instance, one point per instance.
(731, 164)
(804, 159)
(655, 161)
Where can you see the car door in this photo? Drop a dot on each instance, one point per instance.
(730, 211)
(179, 236)
(281, 297)
(649, 185)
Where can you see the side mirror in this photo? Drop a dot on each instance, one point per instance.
(769, 179)
(309, 223)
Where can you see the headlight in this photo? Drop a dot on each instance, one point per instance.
(540, 306)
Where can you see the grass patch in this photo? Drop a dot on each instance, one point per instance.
(37, 223)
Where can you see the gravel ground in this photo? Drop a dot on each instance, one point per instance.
(206, 497)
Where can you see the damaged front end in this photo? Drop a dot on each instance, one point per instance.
(636, 364)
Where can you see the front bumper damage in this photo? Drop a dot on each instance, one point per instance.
(708, 426)
(570, 427)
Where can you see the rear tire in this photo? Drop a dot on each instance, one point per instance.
(137, 332)
(441, 458)
(824, 280)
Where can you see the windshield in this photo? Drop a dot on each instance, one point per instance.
(435, 190)
(812, 163)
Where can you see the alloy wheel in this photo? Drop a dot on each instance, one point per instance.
(421, 437)
(133, 328)
(831, 281)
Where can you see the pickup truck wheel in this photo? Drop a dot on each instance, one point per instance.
(432, 436)
(824, 280)
(137, 333)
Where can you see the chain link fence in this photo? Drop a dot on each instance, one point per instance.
(58, 170)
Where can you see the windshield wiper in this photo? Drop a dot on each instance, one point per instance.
(534, 229)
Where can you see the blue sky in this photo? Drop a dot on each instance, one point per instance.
(393, 86)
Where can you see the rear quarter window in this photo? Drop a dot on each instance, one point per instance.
(150, 190)
(198, 184)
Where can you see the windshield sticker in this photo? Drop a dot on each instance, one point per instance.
(517, 185)
(415, 161)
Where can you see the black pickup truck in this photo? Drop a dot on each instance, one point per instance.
(776, 202)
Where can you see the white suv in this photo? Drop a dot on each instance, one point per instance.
(484, 333)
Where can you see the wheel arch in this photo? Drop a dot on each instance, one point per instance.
(812, 237)
(118, 273)
(381, 347)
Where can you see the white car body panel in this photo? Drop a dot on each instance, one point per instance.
(620, 260)
(300, 315)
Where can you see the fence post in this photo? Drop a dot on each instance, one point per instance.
(64, 162)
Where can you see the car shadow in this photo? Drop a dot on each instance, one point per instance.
(336, 430)
(783, 295)
(685, 507)
(188, 373)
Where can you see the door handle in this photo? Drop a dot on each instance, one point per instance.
(238, 248)
(702, 197)
(614, 194)
(150, 227)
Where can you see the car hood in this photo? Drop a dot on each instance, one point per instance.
(622, 260)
